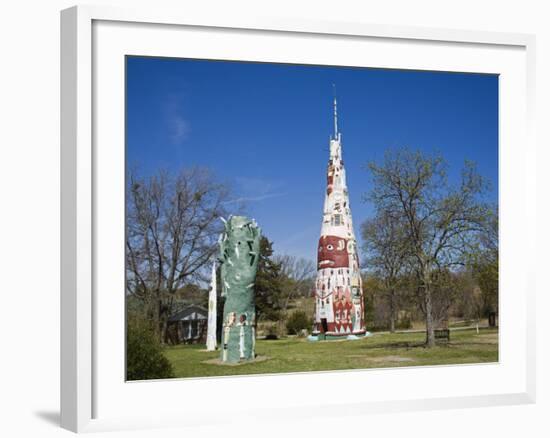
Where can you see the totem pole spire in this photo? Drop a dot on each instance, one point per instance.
(335, 113)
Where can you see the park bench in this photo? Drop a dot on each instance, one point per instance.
(442, 335)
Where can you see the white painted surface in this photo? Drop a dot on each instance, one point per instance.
(212, 312)
(29, 181)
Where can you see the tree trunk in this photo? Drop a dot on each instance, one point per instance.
(392, 312)
(430, 336)
(164, 331)
(153, 316)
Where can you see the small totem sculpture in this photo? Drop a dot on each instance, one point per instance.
(239, 254)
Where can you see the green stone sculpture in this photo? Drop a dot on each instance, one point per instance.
(239, 254)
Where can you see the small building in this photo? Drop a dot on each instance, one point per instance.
(190, 325)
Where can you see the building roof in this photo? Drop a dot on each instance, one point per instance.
(190, 313)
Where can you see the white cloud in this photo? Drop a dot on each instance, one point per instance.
(177, 126)
(179, 129)
(257, 189)
(255, 198)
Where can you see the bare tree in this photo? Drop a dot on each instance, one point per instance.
(387, 247)
(442, 221)
(300, 273)
(172, 226)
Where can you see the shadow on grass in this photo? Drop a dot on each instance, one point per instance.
(422, 345)
(472, 344)
(396, 345)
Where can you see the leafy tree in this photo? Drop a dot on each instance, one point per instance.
(468, 303)
(443, 222)
(371, 286)
(144, 355)
(387, 247)
(484, 266)
(487, 278)
(269, 284)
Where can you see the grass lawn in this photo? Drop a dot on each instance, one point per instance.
(378, 351)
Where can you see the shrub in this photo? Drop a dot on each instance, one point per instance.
(144, 356)
(271, 332)
(383, 326)
(297, 322)
(403, 324)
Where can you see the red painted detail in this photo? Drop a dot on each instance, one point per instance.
(332, 253)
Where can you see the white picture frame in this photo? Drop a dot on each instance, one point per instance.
(91, 389)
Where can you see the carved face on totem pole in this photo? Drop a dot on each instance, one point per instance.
(332, 252)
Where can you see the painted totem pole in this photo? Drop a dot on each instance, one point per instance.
(338, 288)
(212, 312)
(239, 255)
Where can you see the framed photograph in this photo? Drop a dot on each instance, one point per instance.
(254, 208)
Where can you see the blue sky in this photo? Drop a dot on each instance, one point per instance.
(265, 128)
